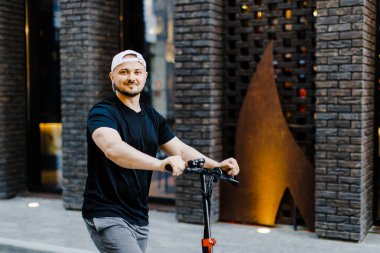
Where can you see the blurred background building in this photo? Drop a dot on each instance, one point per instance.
(201, 54)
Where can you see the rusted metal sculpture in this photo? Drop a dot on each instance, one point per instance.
(270, 159)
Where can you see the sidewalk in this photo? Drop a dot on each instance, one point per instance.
(51, 228)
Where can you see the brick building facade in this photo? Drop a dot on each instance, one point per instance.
(198, 91)
(218, 45)
(13, 160)
(89, 39)
(346, 37)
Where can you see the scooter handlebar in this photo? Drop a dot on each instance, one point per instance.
(196, 167)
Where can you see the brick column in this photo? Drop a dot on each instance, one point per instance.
(13, 102)
(198, 95)
(89, 39)
(344, 118)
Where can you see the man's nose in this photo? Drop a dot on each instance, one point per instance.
(131, 77)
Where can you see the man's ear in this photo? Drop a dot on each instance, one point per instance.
(111, 76)
(112, 81)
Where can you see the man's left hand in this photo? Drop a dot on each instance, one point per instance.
(230, 166)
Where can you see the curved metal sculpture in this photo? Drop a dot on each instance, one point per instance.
(270, 159)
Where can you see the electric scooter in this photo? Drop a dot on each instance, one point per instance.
(207, 177)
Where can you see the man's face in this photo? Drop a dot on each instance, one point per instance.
(129, 78)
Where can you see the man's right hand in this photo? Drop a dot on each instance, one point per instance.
(176, 163)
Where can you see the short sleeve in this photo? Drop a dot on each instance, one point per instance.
(165, 133)
(101, 116)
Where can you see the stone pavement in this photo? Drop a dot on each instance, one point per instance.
(51, 228)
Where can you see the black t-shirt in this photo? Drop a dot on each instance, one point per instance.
(113, 191)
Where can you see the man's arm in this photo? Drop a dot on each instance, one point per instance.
(176, 147)
(126, 156)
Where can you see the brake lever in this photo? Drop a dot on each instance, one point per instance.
(223, 176)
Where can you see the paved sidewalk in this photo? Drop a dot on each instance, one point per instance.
(51, 228)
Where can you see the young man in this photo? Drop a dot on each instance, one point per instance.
(123, 136)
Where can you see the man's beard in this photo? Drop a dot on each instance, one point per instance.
(127, 93)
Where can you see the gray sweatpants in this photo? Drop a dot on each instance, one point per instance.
(116, 235)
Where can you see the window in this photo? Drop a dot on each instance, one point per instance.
(44, 103)
(147, 27)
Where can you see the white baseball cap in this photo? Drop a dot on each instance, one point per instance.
(119, 58)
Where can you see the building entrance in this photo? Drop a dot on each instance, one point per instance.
(147, 27)
(43, 96)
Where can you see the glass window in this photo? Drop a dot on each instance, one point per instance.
(44, 103)
(147, 27)
(159, 35)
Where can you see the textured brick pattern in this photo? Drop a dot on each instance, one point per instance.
(198, 94)
(376, 182)
(13, 103)
(89, 38)
(344, 118)
(249, 27)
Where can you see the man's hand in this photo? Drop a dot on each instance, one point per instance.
(177, 164)
(230, 166)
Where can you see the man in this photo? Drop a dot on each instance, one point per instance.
(123, 136)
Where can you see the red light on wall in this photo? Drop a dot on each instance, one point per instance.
(302, 108)
(302, 93)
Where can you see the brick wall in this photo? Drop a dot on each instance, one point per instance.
(12, 95)
(369, 48)
(344, 118)
(248, 28)
(89, 39)
(198, 94)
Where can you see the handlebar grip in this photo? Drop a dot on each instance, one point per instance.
(223, 176)
(168, 168)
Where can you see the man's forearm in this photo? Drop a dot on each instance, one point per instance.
(128, 157)
(121, 153)
(190, 153)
